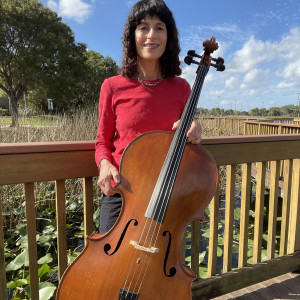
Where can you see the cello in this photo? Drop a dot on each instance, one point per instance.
(165, 185)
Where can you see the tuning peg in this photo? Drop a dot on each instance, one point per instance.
(193, 53)
(220, 67)
(189, 60)
(219, 60)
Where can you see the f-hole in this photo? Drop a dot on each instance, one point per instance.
(107, 246)
(172, 270)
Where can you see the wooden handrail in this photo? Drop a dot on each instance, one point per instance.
(58, 161)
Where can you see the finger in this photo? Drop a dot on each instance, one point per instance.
(194, 133)
(175, 125)
(196, 142)
(105, 187)
(116, 176)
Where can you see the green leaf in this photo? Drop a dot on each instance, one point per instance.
(49, 229)
(219, 252)
(237, 213)
(202, 272)
(17, 283)
(19, 261)
(22, 242)
(72, 257)
(251, 213)
(46, 290)
(202, 256)
(235, 248)
(45, 259)
(264, 255)
(206, 232)
(44, 269)
(46, 240)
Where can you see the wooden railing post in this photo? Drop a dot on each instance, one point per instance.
(32, 245)
(88, 208)
(294, 226)
(3, 294)
(195, 247)
(244, 221)
(213, 233)
(61, 226)
(273, 204)
(287, 175)
(229, 218)
(259, 211)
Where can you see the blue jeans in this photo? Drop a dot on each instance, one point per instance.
(110, 210)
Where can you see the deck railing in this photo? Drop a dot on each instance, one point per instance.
(266, 128)
(35, 162)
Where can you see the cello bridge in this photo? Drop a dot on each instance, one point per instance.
(137, 246)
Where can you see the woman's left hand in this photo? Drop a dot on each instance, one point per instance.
(194, 133)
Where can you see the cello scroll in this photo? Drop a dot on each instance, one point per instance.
(209, 47)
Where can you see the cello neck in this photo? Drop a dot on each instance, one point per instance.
(160, 198)
(162, 192)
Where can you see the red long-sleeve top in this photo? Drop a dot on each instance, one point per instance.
(128, 108)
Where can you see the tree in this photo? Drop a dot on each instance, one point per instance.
(83, 86)
(97, 69)
(35, 48)
(254, 112)
(274, 112)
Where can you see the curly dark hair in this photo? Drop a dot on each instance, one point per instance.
(170, 59)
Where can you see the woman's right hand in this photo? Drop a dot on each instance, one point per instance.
(106, 174)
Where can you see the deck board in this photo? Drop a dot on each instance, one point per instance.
(286, 286)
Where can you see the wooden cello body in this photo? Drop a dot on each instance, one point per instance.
(100, 275)
(140, 257)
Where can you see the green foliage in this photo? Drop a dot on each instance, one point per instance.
(16, 242)
(205, 234)
(289, 110)
(40, 59)
(3, 112)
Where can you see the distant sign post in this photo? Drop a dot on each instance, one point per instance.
(50, 105)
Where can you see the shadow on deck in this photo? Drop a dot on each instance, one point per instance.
(286, 286)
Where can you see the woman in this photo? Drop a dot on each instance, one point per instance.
(146, 96)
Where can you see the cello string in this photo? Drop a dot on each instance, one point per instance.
(180, 143)
(164, 206)
(190, 113)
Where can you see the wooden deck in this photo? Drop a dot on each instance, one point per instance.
(286, 286)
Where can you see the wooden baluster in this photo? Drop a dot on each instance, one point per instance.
(88, 207)
(259, 211)
(183, 248)
(244, 221)
(195, 247)
(294, 225)
(229, 218)
(213, 233)
(3, 294)
(287, 175)
(61, 226)
(273, 203)
(32, 245)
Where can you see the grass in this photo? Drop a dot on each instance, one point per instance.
(81, 125)
(43, 120)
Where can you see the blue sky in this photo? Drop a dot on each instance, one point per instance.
(259, 40)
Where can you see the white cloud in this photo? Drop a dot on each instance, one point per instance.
(52, 5)
(77, 10)
(283, 84)
(231, 82)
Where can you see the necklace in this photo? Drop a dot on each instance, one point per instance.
(150, 84)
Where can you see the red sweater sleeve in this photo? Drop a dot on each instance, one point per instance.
(106, 130)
